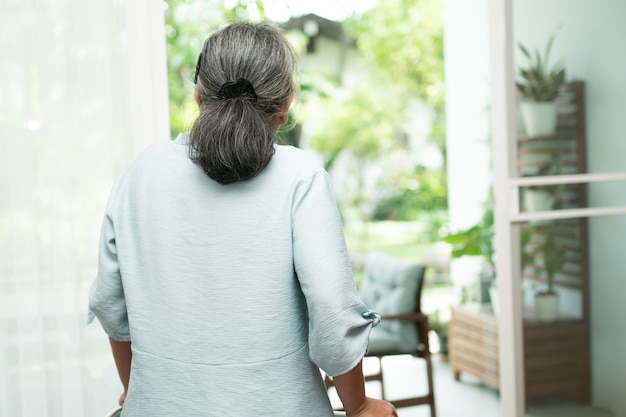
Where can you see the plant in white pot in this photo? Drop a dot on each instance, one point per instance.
(478, 241)
(439, 322)
(538, 86)
(544, 197)
(547, 302)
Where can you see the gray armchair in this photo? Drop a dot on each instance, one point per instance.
(393, 287)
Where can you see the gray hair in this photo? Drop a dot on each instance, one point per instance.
(233, 137)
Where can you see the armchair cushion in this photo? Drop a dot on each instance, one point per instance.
(390, 286)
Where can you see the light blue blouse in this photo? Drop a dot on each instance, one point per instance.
(233, 295)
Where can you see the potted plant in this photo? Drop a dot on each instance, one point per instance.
(478, 241)
(538, 86)
(440, 326)
(547, 302)
(544, 197)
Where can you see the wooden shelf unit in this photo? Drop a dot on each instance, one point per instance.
(557, 353)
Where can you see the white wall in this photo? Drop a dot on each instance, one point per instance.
(591, 41)
(467, 115)
(467, 109)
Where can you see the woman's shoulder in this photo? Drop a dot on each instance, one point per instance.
(296, 160)
(155, 154)
(156, 158)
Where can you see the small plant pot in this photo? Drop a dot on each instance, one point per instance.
(547, 306)
(539, 117)
(538, 200)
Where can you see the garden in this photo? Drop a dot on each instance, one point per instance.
(370, 108)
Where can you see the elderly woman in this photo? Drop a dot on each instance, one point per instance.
(224, 282)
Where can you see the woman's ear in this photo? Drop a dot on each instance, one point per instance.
(196, 96)
(281, 116)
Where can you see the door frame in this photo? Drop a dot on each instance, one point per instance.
(507, 216)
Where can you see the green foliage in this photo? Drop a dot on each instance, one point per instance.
(397, 238)
(187, 24)
(412, 194)
(404, 41)
(526, 257)
(553, 260)
(290, 132)
(539, 81)
(556, 191)
(312, 87)
(364, 122)
(243, 9)
(478, 240)
(438, 322)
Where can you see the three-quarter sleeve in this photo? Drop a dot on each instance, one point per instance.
(339, 322)
(106, 295)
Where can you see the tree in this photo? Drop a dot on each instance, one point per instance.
(187, 24)
(404, 41)
(363, 122)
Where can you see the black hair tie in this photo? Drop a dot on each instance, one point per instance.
(195, 76)
(242, 88)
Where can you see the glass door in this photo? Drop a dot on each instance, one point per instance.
(560, 202)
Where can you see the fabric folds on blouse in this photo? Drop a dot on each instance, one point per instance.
(234, 296)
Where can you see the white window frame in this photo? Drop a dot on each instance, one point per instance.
(507, 215)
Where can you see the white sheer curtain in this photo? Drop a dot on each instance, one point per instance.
(82, 90)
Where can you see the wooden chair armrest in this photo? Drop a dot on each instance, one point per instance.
(418, 317)
(421, 321)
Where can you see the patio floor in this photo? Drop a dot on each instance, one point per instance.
(405, 376)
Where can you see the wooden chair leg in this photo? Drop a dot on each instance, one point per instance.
(431, 388)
